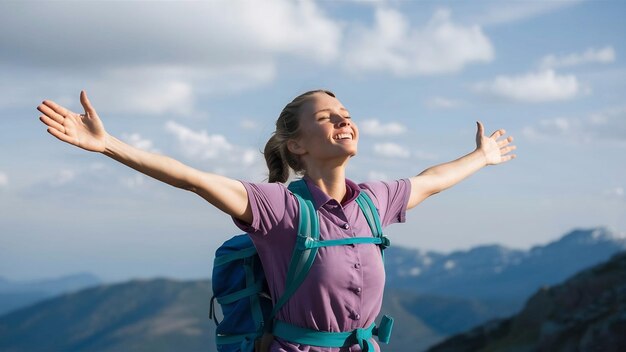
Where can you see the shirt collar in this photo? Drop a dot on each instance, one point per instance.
(320, 198)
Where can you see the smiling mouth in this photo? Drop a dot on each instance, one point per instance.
(343, 136)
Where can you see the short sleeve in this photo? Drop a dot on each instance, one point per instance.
(391, 198)
(271, 204)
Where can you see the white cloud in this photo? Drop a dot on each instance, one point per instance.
(248, 124)
(606, 126)
(135, 181)
(591, 55)
(172, 96)
(156, 59)
(392, 45)
(137, 141)
(377, 176)
(63, 177)
(199, 145)
(376, 128)
(4, 179)
(442, 103)
(615, 192)
(514, 11)
(201, 34)
(391, 150)
(549, 129)
(532, 87)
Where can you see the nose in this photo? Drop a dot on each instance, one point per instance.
(343, 122)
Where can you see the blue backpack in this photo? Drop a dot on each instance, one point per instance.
(239, 285)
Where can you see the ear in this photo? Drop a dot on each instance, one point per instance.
(295, 147)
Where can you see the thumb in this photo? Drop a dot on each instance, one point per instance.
(479, 133)
(89, 110)
(481, 129)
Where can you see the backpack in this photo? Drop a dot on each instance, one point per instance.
(239, 285)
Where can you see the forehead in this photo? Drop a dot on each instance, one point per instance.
(321, 102)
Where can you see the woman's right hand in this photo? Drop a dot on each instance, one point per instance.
(82, 130)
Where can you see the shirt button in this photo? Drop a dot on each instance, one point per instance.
(345, 226)
(357, 265)
(358, 290)
(357, 316)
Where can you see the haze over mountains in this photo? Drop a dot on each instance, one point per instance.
(14, 295)
(431, 296)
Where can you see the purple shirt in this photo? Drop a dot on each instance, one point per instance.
(344, 288)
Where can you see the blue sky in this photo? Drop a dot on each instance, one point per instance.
(204, 82)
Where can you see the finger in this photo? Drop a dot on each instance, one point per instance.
(45, 109)
(507, 149)
(89, 110)
(481, 129)
(497, 134)
(505, 141)
(60, 135)
(57, 108)
(508, 157)
(51, 123)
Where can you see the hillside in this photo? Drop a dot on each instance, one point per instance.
(18, 294)
(585, 313)
(429, 305)
(153, 315)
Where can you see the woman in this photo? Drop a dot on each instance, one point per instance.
(315, 137)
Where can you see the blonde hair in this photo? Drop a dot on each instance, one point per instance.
(277, 156)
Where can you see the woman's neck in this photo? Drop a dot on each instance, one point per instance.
(331, 181)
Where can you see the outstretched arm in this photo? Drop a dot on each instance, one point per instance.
(86, 131)
(489, 151)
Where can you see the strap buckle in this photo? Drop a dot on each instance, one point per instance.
(384, 330)
(385, 242)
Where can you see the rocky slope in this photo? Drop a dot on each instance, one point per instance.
(585, 313)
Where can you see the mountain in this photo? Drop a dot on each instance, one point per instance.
(585, 313)
(150, 315)
(430, 295)
(423, 320)
(498, 273)
(166, 315)
(14, 294)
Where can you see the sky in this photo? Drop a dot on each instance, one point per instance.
(203, 82)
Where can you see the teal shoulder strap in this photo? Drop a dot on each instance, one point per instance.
(308, 242)
(371, 214)
(301, 259)
(373, 220)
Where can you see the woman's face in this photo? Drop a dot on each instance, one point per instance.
(326, 129)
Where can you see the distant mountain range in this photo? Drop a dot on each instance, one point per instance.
(14, 295)
(585, 313)
(431, 295)
(139, 315)
(493, 272)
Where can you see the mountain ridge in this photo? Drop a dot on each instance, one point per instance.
(587, 312)
(159, 313)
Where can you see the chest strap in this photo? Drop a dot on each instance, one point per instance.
(361, 336)
(305, 242)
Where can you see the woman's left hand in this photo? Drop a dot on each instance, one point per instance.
(495, 151)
